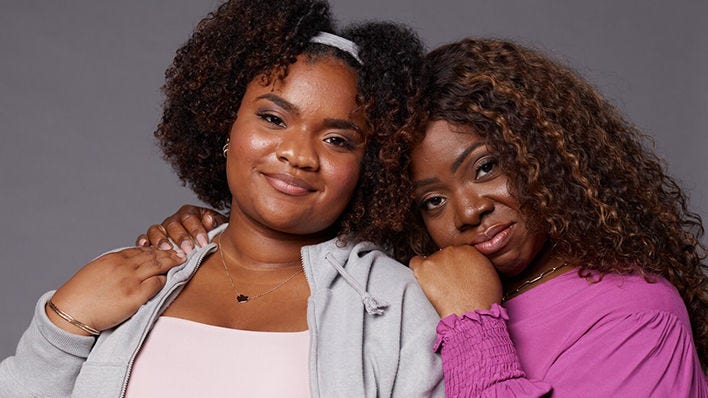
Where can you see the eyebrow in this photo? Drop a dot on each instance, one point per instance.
(342, 124)
(290, 107)
(461, 158)
(427, 181)
(453, 168)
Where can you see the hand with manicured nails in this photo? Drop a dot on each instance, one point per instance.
(458, 279)
(187, 227)
(111, 288)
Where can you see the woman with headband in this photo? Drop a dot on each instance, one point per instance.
(277, 119)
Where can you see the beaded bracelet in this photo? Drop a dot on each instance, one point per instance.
(86, 328)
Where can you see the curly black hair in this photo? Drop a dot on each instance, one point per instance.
(579, 170)
(244, 39)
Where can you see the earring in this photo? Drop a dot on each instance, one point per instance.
(225, 149)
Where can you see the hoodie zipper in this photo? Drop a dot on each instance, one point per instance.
(154, 315)
(312, 326)
(372, 305)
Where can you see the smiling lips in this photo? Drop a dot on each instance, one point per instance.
(493, 239)
(288, 184)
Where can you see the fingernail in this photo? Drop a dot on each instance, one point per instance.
(142, 242)
(180, 253)
(165, 246)
(202, 239)
(210, 220)
(187, 246)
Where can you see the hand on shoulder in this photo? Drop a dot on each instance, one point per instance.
(111, 288)
(188, 227)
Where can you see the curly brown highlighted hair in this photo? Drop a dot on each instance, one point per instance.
(245, 39)
(578, 169)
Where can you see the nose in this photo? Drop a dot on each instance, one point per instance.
(298, 150)
(470, 208)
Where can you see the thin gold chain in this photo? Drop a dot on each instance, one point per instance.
(242, 298)
(531, 281)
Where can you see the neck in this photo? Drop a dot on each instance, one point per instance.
(252, 245)
(546, 260)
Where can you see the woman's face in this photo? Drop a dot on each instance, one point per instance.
(464, 199)
(296, 148)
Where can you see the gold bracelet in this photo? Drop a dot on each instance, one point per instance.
(86, 328)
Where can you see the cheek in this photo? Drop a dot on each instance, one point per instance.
(344, 176)
(534, 244)
(438, 229)
(246, 139)
(348, 177)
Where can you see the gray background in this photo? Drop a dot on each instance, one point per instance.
(79, 99)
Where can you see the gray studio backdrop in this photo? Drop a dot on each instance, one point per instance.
(79, 99)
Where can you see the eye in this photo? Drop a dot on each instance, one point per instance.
(272, 119)
(486, 167)
(432, 203)
(339, 142)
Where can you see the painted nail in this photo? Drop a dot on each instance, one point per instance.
(202, 239)
(210, 220)
(187, 246)
(165, 245)
(180, 253)
(142, 242)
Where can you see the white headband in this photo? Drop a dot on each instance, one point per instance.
(329, 39)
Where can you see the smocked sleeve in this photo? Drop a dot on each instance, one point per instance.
(47, 360)
(479, 359)
(646, 354)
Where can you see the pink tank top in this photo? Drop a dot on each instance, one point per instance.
(182, 358)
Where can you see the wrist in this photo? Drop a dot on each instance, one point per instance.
(66, 322)
(460, 309)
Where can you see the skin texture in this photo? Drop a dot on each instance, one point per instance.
(464, 199)
(188, 227)
(293, 163)
(457, 279)
(106, 291)
(467, 207)
(297, 152)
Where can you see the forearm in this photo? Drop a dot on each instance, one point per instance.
(47, 360)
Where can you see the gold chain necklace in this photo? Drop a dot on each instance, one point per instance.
(531, 281)
(242, 298)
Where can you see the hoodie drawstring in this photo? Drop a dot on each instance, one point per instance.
(373, 305)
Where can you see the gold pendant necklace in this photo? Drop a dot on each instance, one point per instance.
(531, 281)
(242, 298)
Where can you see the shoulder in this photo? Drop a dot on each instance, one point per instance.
(640, 327)
(394, 281)
(615, 300)
(634, 293)
(385, 277)
(365, 261)
(612, 298)
(382, 271)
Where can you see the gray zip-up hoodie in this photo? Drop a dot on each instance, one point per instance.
(372, 332)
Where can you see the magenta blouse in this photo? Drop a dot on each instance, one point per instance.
(620, 337)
